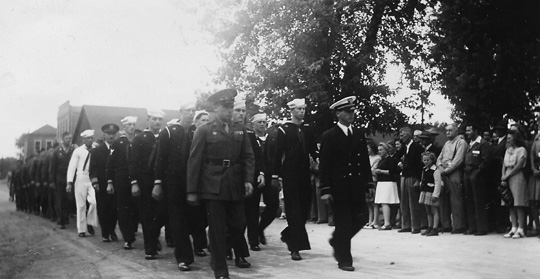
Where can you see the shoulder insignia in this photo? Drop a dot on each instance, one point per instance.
(214, 133)
(286, 125)
(250, 132)
(238, 132)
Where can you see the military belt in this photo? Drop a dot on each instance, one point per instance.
(221, 162)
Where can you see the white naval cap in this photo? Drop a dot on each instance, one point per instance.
(239, 102)
(346, 102)
(188, 104)
(297, 103)
(417, 133)
(155, 112)
(87, 134)
(258, 117)
(174, 121)
(198, 114)
(129, 119)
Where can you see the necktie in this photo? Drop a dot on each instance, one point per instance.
(226, 126)
(349, 133)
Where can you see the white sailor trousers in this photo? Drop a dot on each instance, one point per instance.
(85, 192)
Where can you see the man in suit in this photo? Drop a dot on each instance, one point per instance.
(427, 140)
(345, 172)
(498, 215)
(451, 163)
(476, 173)
(411, 165)
(295, 142)
(118, 181)
(106, 203)
(57, 178)
(220, 172)
(79, 165)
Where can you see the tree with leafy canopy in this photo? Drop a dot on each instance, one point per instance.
(320, 50)
(488, 54)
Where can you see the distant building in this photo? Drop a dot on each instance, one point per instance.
(93, 117)
(42, 138)
(68, 116)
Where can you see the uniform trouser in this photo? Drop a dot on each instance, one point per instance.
(31, 197)
(149, 214)
(197, 223)
(61, 202)
(106, 209)
(255, 227)
(349, 217)
(297, 196)
(19, 198)
(411, 214)
(226, 223)
(84, 192)
(452, 202)
(178, 218)
(50, 203)
(475, 195)
(125, 209)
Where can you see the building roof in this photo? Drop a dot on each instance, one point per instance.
(93, 117)
(46, 130)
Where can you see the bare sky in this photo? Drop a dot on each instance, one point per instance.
(110, 52)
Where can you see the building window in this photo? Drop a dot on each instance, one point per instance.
(49, 144)
(37, 145)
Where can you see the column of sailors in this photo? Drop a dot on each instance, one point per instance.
(182, 174)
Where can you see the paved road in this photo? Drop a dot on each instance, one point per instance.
(32, 247)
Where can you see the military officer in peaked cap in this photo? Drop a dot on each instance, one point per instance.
(295, 143)
(220, 172)
(345, 172)
(106, 204)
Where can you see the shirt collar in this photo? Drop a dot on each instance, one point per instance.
(477, 140)
(344, 128)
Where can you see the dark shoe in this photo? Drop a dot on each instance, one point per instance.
(433, 232)
(262, 238)
(295, 256)
(150, 257)
(470, 232)
(82, 234)
(331, 223)
(114, 237)
(241, 262)
(184, 267)
(158, 246)
(480, 233)
(346, 267)
(255, 248)
(200, 253)
(458, 231)
(415, 231)
(404, 230)
(62, 227)
(426, 231)
(385, 228)
(128, 246)
(105, 239)
(91, 230)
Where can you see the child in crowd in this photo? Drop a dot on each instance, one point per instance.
(431, 188)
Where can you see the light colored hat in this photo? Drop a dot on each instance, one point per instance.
(297, 103)
(87, 134)
(258, 117)
(129, 119)
(155, 113)
(198, 114)
(346, 102)
(417, 133)
(189, 104)
(239, 102)
(174, 121)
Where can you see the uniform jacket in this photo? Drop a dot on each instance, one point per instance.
(141, 158)
(258, 151)
(117, 163)
(59, 164)
(291, 158)
(98, 165)
(344, 166)
(172, 153)
(208, 174)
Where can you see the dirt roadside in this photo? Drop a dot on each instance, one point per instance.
(32, 247)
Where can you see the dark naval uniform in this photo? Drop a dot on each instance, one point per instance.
(141, 171)
(220, 163)
(345, 172)
(117, 174)
(57, 175)
(106, 203)
(170, 171)
(291, 163)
